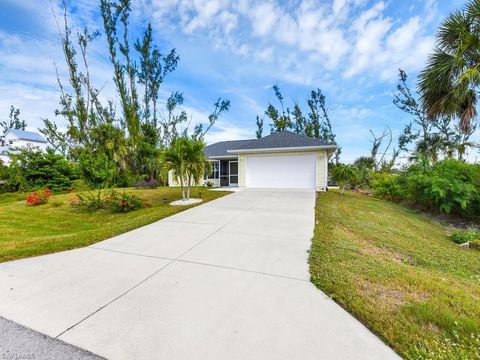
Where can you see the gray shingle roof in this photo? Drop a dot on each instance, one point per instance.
(27, 135)
(282, 139)
(220, 148)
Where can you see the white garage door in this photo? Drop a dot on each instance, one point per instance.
(281, 171)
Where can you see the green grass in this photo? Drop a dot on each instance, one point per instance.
(398, 272)
(36, 230)
(12, 197)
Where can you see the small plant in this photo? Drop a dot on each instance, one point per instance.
(89, 202)
(469, 235)
(209, 184)
(152, 184)
(346, 175)
(122, 203)
(39, 197)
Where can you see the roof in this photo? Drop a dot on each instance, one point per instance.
(220, 149)
(27, 135)
(277, 140)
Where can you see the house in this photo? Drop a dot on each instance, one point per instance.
(15, 138)
(280, 160)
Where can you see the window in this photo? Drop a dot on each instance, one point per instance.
(11, 142)
(215, 170)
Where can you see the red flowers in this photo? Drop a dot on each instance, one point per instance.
(39, 197)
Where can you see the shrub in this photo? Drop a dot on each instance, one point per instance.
(31, 169)
(38, 197)
(89, 202)
(209, 184)
(122, 203)
(448, 186)
(468, 235)
(387, 186)
(79, 185)
(116, 202)
(98, 170)
(153, 183)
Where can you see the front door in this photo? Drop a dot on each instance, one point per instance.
(233, 173)
(224, 173)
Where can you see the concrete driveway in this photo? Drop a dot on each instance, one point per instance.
(225, 280)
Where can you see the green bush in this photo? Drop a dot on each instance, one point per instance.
(468, 235)
(80, 185)
(122, 203)
(98, 170)
(31, 169)
(448, 186)
(386, 186)
(90, 201)
(112, 200)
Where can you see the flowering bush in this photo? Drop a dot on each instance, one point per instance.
(126, 202)
(116, 202)
(39, 197)
(90, 202)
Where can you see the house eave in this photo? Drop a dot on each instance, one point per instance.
(284, 149)
(221, 157)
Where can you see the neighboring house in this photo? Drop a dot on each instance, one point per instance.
(20, 139)
(280, 160)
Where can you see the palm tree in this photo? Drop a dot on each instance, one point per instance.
(185, 158)
(173, 160)
(345, 174)
(449, 82)
(196, 163)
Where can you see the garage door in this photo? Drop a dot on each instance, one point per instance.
(281, 171)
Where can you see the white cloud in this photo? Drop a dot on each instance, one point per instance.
(381, 47)
(263, 18)
(341, 35)
(224, 131)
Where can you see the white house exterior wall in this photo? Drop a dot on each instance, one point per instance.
(20, 143)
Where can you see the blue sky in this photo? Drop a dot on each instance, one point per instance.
(351, 49)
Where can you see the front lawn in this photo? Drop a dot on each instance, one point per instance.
(398, 273)
(36, 230)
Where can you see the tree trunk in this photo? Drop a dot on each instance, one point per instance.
(188, 187)
(343, 188)
(182, 187)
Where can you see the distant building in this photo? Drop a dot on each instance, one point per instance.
(20, 139)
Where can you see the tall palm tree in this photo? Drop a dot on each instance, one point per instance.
(448, 85)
